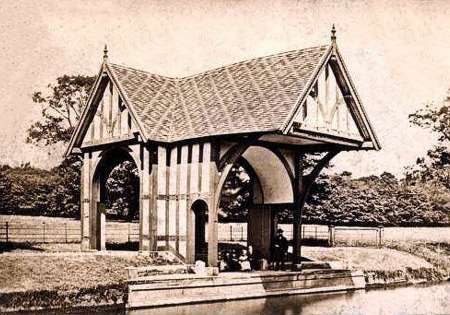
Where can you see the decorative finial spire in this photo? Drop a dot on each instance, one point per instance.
(333, 34)
(105, 54)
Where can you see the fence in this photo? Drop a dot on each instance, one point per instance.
(116, 232)
(331, 235)
(40, 233)
(122, 232)
(355, 236)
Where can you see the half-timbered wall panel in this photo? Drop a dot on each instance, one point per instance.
(112, 120)
(183, 177)
(325, 110)
(173, 199)
(161, 193)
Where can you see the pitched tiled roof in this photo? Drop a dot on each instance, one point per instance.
(250, 96)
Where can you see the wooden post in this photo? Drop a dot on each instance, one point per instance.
(331, 235)
(86, 204)
(302, 187)
(7, 231)
(213, 219)
(380, 229)
(297, 209)
(43, 232)
(231, 232)
(65, 231)
(145, 200)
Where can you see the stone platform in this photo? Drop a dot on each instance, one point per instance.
(177, 289)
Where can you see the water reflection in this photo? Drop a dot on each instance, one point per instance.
(409, 300)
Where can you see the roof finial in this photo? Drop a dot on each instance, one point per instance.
(333, 34)
(105, 54)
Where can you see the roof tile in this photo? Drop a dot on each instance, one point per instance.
(249, 96)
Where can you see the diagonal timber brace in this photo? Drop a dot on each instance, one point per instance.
(302, 189)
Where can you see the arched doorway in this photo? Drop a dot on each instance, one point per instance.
(116, 176)
(200, 217)
(268, 189)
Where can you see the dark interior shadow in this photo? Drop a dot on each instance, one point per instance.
(132, 246)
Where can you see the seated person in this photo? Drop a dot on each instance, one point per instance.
(244, 261)
(224, 262)
(233, 263)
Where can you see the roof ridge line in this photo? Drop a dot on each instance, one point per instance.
(178, 78)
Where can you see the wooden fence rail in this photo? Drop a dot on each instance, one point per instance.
(121, 232)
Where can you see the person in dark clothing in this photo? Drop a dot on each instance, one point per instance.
(253, 258)
(279, 250)
(233, 263)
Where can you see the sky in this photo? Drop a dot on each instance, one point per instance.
(397, 52)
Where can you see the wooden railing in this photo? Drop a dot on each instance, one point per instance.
(123, 232)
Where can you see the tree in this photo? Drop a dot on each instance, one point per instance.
(375, 200)
(432, 172)
(435, 118)
(6, 202)
(64, 199)
(122, 188)
(61, 109)
(236, 195)
(237, 192)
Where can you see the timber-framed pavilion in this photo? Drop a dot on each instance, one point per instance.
(185, 134)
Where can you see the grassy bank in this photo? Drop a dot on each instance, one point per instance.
(47, 280)
(58, 275)
(436, 253)
(404, 264)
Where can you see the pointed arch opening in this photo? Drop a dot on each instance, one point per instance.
(115, 207)
(257, 186)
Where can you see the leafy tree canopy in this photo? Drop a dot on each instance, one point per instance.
(61, 109)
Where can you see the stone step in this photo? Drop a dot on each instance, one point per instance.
(315, 265)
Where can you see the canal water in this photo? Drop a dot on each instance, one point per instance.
(423, 299)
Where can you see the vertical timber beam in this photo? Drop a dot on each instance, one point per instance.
(214, 193)
(145, 199)
(190, 233)
(153, 201)
(299, 192)
(85, 207)
(302, 189)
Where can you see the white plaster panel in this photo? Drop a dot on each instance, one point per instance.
(161, 211)
(124, 130)
(97, 126)
(145, 173)
(104, 106)
(182, 249)
(183, 170)
(161, 171)
(172, 217)
(206, 167)
(194, 169)
(182, 217)
(173, 172)
(115, 112)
